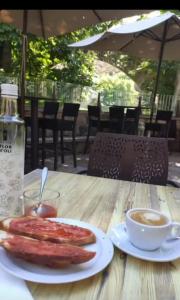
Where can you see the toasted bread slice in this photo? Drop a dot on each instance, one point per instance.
(44, 252)
(44, 229)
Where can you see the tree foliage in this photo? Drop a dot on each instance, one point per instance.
(43, 55)
(144, 71)
(77, 66)
(117, 90)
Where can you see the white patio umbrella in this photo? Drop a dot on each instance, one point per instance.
(48, 23)
(156, 38)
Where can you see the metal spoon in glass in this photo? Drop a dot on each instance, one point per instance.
(37, 209)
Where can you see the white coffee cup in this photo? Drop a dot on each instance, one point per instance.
(148, 229)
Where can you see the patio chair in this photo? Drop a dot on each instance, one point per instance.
(116, 118)
(45, 122)
(48, 122)
(93, 123)
(115, 121)
(131, 121)
(161, 126)
(129, 157)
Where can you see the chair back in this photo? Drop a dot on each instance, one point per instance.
(163, 120)
(50, 109)
(94, 116)
(116, 118)
(132, 113)
(116, 113)
(94, 112)
(70, 111)
(129, 157)
(131, 121)
(164, 115)
(69, 116)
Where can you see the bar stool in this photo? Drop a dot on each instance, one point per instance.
(93, 122)
(131, 121)
(116, 118)
(161, 126)
(67, 124)
(48, 122)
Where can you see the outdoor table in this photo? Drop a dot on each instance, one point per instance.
(103, 203)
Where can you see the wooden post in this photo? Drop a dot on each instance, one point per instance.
(23, 62)
(158, 69)
(99, 100)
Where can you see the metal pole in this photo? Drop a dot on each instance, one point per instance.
(23, 62)
(42, 23)
(158, 69)
(99, 100)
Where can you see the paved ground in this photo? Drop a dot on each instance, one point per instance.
(82, 162)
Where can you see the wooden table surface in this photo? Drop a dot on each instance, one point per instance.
(103, 202)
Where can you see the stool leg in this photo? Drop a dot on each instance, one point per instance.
(87, 140)
(62, 147)
(55, 141)
(43, 145)
(74, 148)
(145, 132)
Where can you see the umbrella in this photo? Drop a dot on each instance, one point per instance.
(156, 38)
(48, 23)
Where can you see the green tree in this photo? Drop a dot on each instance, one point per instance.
(42, 55)
(118, 89)
(11, 36)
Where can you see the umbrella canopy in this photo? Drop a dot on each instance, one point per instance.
(155, 38)
(48, 23)
(141, 38)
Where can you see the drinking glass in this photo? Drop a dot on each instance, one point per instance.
(46, 207)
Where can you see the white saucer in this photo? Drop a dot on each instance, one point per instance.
(168, 252)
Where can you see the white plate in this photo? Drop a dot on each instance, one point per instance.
(104, 253)
(168, 252)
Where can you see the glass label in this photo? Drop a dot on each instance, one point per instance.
(6, 148)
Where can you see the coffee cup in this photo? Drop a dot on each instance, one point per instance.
(148, 229)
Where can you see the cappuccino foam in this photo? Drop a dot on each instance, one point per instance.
(148, 218)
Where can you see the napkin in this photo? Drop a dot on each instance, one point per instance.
(12, 287)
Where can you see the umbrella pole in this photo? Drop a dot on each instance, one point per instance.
(23, 63)
(158, 69)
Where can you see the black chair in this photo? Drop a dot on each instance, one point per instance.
(67, 124)
(116, 118)
(48, 122)
(45, 122)
(161, 126)
(93, 122)
(131, 121)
